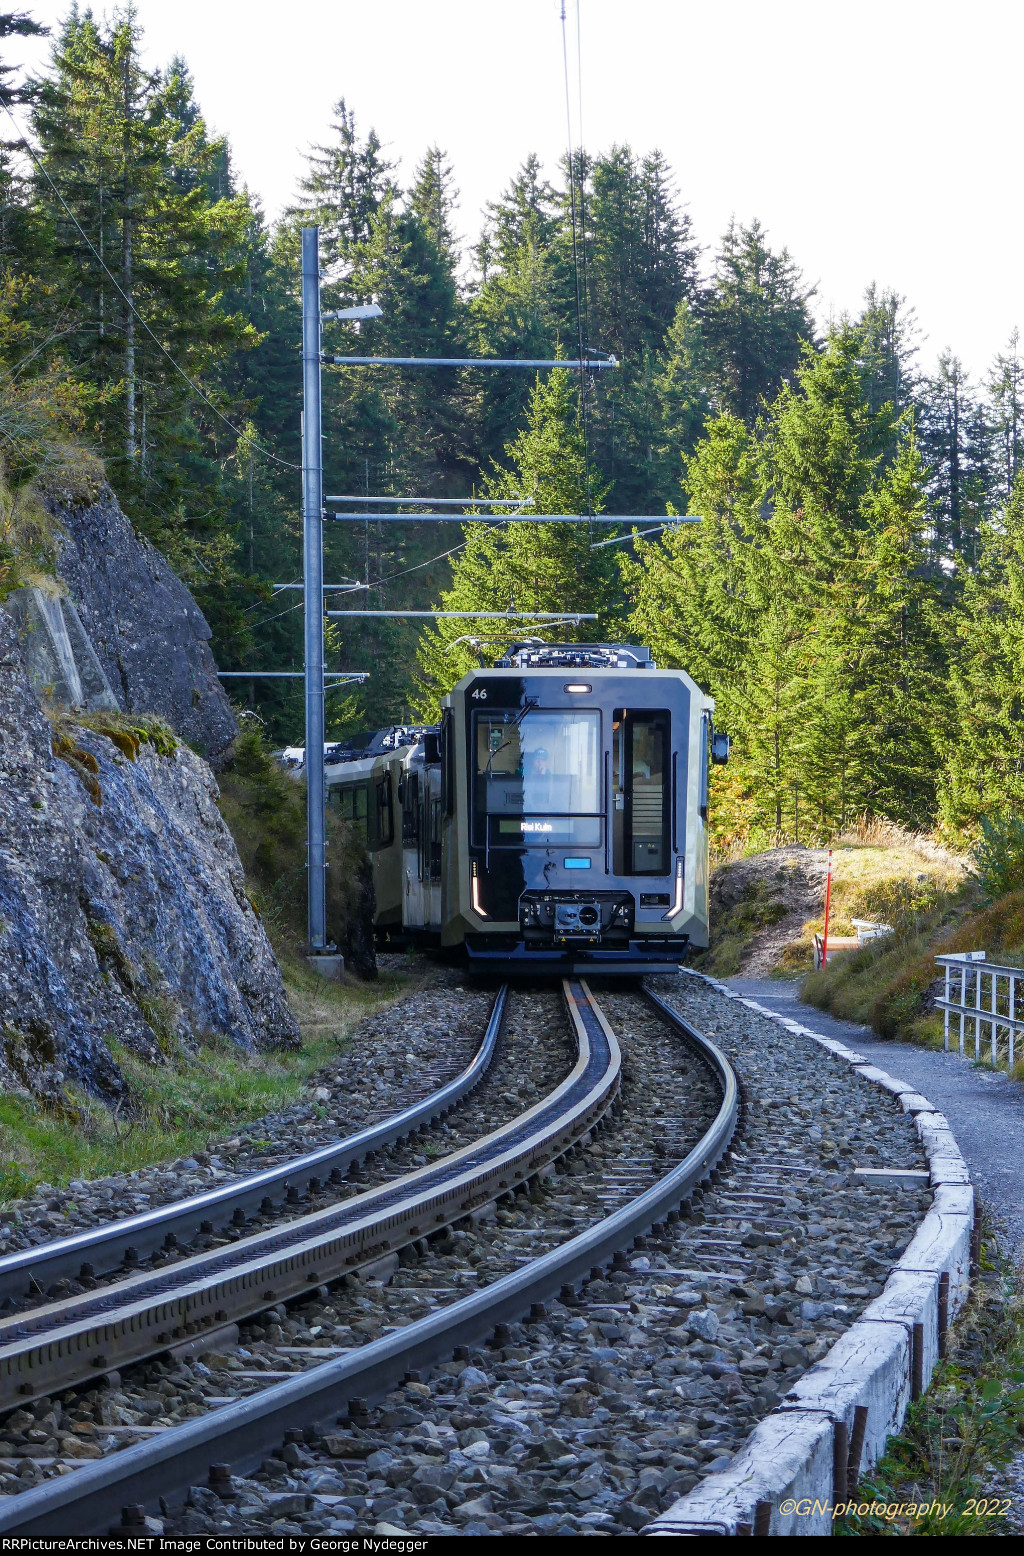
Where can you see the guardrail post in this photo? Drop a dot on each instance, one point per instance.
(978, 1008)
(1013, 1017)
(945, 1013)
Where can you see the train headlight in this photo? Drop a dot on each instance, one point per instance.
(475, 891)
(577, 686)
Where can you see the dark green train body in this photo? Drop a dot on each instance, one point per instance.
(556, 819)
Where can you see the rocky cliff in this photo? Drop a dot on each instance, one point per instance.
(148, 633)
(123, 913)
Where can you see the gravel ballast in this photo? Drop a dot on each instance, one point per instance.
(599, 1414)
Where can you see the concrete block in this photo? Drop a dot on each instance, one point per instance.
(954, 1199)
(948, 1170)
(868, 1365)
(911, 1297)
(913, 1102)
(331, 968)
(788, 1456)
(895, 1177)
(943, 1243)
(871, 1072)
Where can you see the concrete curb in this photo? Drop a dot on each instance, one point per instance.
(833, 1424)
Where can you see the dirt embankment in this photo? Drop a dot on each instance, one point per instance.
(765, 909)
(760, 906)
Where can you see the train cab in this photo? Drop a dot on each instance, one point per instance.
(575, 784)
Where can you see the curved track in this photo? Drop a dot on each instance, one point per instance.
(73, 1340)
(241, 1432)
(102, 1250)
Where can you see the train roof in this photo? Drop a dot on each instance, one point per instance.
(576, 656)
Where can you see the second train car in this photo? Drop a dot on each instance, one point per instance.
(555, 821)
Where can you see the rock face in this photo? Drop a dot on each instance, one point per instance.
(126, 919)
(149, 634)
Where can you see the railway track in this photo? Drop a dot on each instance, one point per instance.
(29, 1274)
(44, 1350)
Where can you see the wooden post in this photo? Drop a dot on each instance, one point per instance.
(860, 1428)
(917, 1362)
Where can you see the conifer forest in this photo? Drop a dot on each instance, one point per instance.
(852, 595)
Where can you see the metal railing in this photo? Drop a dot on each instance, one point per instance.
(978, 994)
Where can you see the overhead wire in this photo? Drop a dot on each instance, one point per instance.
(580, 313)
(24, 142)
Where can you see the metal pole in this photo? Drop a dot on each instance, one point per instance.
(828, 905)
(313, 588)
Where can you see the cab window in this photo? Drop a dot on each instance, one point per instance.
(641, 792)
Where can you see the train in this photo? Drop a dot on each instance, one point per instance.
(553, 822)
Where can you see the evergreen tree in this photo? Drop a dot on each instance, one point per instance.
(145, 259)
(518, 566)
(519, 308)
(984, 774)
(889, 332)
(346, 183)
(1006, 391)
(956, 441)
(755, 320)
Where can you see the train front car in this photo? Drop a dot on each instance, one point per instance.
(575, 801)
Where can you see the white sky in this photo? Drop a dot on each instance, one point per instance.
(876, 139)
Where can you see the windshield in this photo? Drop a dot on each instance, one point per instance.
(531, 773)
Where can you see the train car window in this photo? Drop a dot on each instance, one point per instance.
(448, 762)
(409, 799)
(705, 753)
(641, 798)
(352, 804)
(434, 853)
(385, 813)
(537, 778)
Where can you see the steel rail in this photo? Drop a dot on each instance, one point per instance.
(32, 1270)
(81, 1337)
(243, 1433)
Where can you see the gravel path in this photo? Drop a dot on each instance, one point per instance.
(984, 1107)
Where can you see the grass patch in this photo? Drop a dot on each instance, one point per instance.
(887, 984)
(181, 1106)
(970, 1420)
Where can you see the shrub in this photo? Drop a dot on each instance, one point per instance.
(999, 855)
(266, 811)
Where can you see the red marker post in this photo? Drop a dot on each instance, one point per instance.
(828, 904)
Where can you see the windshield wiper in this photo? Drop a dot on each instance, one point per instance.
(528, 706)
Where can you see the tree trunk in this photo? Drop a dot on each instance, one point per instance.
(131, 448)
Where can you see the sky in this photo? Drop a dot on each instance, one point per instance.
(877, 140)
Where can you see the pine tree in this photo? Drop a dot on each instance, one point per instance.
(984, 774)
(755, 320)
(1006, 391)
(144, 258)
(519, 306)
(347, 182)
(525, 567)
(888, 330)
(957, 443)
